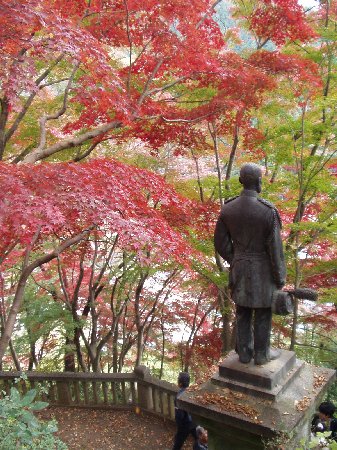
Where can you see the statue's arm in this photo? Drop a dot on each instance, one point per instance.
(223, 242)
(275, 250)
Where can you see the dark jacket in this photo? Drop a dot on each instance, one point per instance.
(318, 426)
(247, 236)
(183, 418)
(333, 429)
(199, 446)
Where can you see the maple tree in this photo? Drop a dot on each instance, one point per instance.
(199, 319)
(47, 209)
(110, 93)
(301, 118)
(120, 65)
(91, 77)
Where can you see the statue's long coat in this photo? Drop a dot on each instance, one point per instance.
(247, 236)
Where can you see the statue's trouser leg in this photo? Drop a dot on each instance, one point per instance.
(244, 333)
(262, 330)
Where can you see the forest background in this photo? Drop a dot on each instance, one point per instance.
(123, 125)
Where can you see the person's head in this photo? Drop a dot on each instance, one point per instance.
(251, 177)
(202, 435)
(326, 410)
(184, 379)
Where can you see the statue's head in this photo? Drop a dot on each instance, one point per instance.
(251, 177)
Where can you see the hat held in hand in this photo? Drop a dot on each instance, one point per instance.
(282, 301)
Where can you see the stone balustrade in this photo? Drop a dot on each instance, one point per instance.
(98, 390)
(241, 406)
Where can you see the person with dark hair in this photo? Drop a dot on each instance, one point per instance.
(185, 425)
(247, 236)
(202, 439)
(325, 420)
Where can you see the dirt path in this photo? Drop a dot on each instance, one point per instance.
(93, 429)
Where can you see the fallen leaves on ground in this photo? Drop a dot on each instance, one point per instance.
(319, 380)
(302, 405)
(228, 402)
(197, 385)
(94, 429)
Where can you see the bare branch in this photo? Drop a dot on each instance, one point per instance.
(196, 119)
(149, 80)
(43, 120)
(51, 83)
(128, 82)
(73, 141)
(30, 99)
(167, 86)
(87, 152)
(202, 20)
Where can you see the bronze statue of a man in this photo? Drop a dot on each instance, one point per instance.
(247, 236)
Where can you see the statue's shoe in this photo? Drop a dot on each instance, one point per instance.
(260, 358)
(245, 359)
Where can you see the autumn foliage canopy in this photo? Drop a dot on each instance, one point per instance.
(122, 127)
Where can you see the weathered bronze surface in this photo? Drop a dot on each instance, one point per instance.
(247, 236)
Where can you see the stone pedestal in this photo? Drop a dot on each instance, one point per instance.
(248, 407)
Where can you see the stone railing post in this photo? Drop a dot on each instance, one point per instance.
(63, 393)
(144, 378)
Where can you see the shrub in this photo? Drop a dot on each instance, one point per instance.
(20, 429)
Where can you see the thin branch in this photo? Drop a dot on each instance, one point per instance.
(315, 346)
(30, 99)
(213, 133)
(63, 284)
(37, 155)
(262, 44)
(149, 81)
(196, 119)
(201, 21)
(51, 83)
(130, 46)
(168, 85)
(87, 152)
(43, 120)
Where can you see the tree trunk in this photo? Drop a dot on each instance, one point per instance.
(10, 322)
(32, 357)
(69, 356)
(295, 315)
(214, 135)
(226, 313)
(96, 367)
(3, 121)
(14, 356)
(228, 336)
(80, 360)
(162, 351)
(231, 158)
(115, 350)
(25, 274)
(140, 347)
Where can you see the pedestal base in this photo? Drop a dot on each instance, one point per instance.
(241, 412)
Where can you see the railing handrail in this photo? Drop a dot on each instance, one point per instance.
(107, 390)
(92, 376)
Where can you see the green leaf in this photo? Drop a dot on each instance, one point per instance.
(28, 398)
(15, 395)
(37, 406)
(28, 418)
